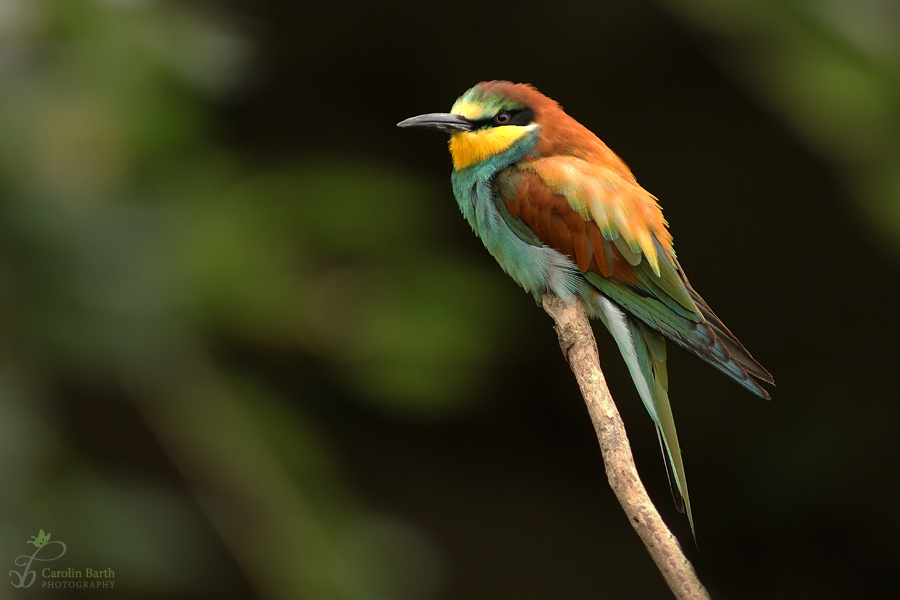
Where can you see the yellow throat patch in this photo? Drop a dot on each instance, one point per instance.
(472, 147)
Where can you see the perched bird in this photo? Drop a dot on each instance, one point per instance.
(563, 214)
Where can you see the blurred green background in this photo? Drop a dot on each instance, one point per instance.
(250, 349)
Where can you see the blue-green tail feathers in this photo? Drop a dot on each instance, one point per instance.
(644, 351)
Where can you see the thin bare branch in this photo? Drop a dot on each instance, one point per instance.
(576, 338)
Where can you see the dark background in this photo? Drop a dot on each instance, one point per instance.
(251, 349)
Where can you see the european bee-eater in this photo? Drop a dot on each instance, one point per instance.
(563, 214)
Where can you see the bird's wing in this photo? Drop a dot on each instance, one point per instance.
(614, 231)
(610, 227)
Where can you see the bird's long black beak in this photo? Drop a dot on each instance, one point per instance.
(441, 121)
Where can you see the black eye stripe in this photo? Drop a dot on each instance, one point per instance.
(520, 117)
(517, 116)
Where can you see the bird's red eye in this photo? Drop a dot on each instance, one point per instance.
(501, 118)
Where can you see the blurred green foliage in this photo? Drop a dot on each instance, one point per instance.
(133, 243)
(832, 69)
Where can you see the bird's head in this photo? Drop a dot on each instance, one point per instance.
(488, 120)
(496, 116)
